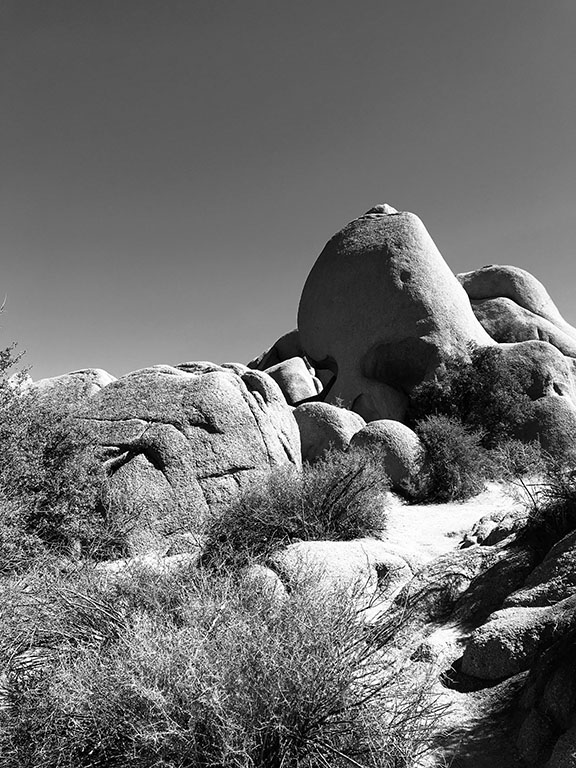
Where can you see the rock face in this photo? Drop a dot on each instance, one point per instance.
(509, 642)
(382, 308)
(323, 425)
(547, 732)
(398, 447)
(67, 392)
(189, 438)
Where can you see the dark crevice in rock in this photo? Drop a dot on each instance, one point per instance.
(456, 680)
(227, 472)
(205, 425)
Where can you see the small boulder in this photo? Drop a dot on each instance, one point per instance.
(323, 426)
(286, 347)
(295, 380)
(365, 567)
(398, 447)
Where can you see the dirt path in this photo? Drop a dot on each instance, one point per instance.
(422, 532)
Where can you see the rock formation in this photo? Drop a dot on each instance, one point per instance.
(380, 313)
(189, 437)
(382, 308)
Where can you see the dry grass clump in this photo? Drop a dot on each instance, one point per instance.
(194, 670)
(340, 496)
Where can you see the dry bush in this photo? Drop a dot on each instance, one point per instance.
(195, 670)
(337, 497)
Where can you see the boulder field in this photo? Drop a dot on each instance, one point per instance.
(380, 313)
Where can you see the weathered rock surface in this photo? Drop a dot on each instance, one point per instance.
(508, 322)
(551, 581)
(547, 708)
(382, 306)
(189, 438)
(65, 393)
(495, 281)
(295, 380)
(512, 637)
(397, 446)
(323, 425)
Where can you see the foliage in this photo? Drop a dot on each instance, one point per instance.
(489, 393)
(190, 671)
(337, 497)
(553, 506)
(514, 459)
(50, 478)
(456, 466)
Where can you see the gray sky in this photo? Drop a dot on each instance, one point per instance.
(172, 168)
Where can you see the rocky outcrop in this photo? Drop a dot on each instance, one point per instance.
(189, 438)
(323, 426)
(382, 308)
(510, 640)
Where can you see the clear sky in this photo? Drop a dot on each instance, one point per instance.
(170, 169)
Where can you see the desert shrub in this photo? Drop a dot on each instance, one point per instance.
(50, 479)
(488, 393)
(552, 506)
(223, 676)
(337, 497)
(456, 466)
(514, 459)
(50, 471)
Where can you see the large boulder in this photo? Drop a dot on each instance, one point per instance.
(382, 307)
(395, 445)
(544, 378)
(507, 322)
(323, 426)
(495, 281)
(188, 439)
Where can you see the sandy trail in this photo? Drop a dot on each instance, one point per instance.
(422, 532)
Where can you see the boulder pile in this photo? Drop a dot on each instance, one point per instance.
(380, 314)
